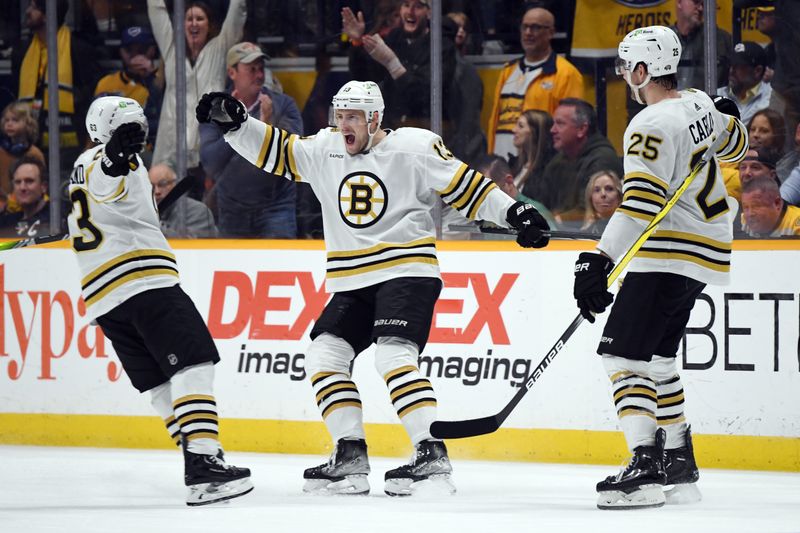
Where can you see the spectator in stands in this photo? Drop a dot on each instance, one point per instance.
(497, 169)
(689, 27)
(534, 145)
(782, 28)
(28, 176)
(758, 163)
(582, 151)
(141, 77)
(788, 170)
(206, 47)
(462, 131)
(538, 80)
(746, 85)
(386, 19)
(462, 35)
(17, 139)
(603, 197)
(404, 57)
(249, 202)
(767, 129)
(765, 214)
(198, 221)
(78, 73)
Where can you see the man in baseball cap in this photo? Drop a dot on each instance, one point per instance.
(746, 85)
(245, 52)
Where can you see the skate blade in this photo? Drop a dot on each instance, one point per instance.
(648, 496)
(435, 485)
(356, 485)
(683, 494)
(208, 493)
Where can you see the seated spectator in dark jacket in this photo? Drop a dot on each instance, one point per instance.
(250, 203)
(603, 197)
(28, 176)
(582, 151)
(534, 145)
(198, 221)
(140, 77)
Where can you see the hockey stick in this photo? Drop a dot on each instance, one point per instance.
(458, 429)
(172, 196)
(553, 234)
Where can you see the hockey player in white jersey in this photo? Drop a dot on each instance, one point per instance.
(377, 189)
(692, 247)
(130, 287)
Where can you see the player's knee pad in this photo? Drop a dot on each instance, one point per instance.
(395, 352)
(657, 369)
(195, 379)
(663, 368)
(329, 353)
(161, 399)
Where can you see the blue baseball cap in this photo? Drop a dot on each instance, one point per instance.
(137, 35)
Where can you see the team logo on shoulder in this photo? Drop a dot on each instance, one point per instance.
(442, 150)
(362, 199)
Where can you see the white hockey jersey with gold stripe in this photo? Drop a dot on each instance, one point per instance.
(662, 143)
(376, 207)
(116, 235)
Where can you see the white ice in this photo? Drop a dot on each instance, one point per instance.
(86, 490)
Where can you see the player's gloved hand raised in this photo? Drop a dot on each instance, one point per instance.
(530, 225)
(591, 284)
(222, 109)
(726, 105)
(121, 149)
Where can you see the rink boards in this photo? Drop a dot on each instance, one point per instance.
(499, 313)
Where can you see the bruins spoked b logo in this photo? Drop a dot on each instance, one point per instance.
(362, 199)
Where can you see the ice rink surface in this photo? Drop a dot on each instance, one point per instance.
(85, 490)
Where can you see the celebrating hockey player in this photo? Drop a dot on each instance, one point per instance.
(130, 286)
(692, 247)
(377, 189)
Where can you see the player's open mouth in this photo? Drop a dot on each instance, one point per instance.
(350, 139)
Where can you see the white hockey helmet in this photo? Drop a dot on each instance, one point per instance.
(107, 113)
(658, 47)
(362, 95)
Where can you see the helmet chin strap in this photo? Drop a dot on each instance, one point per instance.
(370, 137)
(635, 88)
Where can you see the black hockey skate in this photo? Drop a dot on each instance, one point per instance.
(344, 473)
(682, 473)
(210, 479)
(641, 483)
(429, 468)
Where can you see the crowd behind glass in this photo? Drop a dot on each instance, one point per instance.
(514, 103)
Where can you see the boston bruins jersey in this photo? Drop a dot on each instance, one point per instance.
(116, 235)
(376, 206)
(662, 143)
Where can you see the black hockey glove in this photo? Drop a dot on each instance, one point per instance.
(529, 224)
(727, 106)
(121, 149)
(222, 109)
(591, 284)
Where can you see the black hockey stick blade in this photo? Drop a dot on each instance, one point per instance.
(460, 429)
(553, 234)
(33, 241)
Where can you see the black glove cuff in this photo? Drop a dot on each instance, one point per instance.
(115, 170)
